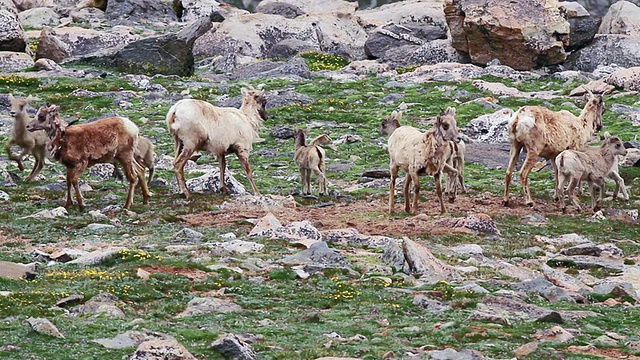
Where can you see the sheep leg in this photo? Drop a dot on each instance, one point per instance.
(178, 167)
(116, 173)
(460, 167)
(222, 160)
(392, 187)
(322, 180)
(304, 177)
(18, 158)
(529, 162)
(39, 157)
(560, 182)
(244, 161)
(514, 152)
(405, 193)
(596, 198)
(450, 188)
(620, 186)
(443, 209)
(73, 176)
(416, 192)
(133, 177)
(151, 173)
(146, 194)
(571, 190)
(557, 193)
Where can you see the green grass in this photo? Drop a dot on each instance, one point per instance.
(300, 312)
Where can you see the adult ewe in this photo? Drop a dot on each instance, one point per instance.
(545, 133)
(197, 125)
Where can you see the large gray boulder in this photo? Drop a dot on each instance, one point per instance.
(622, 18)
(255, 35)
(37, 18)
(63, 43)
(313, 6)
(15, 61)
(190, 10)
(137, 11)
(623, 50)
(522, 35)
(11, 33)
(392, 36)
(429, 53)
(425, 12)
(583, 26)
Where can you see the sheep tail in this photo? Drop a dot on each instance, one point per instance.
(319, 153)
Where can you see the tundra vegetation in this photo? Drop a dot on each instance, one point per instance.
(350, 303)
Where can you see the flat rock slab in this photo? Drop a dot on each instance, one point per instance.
(15, 271)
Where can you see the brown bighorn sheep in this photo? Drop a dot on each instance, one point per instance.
(31, 143)
(80, 146)
(198, 125)
(545, 133)
(144, 155)
(591, 166)
(614, 174)
(420, 154)
(455, 158)
(310, 158)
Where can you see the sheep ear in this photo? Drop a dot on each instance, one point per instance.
(606, 135)
(244, 91)
(451, 111)
(11, 98)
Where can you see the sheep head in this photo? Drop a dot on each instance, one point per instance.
(446, 126)
(47, 118)
(255, 98)
(18, 104)
(613, 145)
(390, 123)
(300, 136)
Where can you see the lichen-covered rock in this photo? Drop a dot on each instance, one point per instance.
(196, 9)
(232, 347)
(37, 18)
(392, 36)
(210, 183)
(623, 50)
(136, 11)
(522, 35)
(426, 12)
(11, 33)
(623, 18)
(162, 349)
(627, 79)
(62, 43)
(490, 128)
(15, 61)
(314, 6)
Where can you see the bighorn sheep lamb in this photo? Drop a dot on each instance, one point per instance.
(310, 158)
(33, 143)
(546, 133)
(614, 174)
(198, 125)
(420, 154)
(80, 146)
(455, 160)
(144, 155)
(591, 166)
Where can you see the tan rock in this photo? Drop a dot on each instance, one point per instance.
(526, 349)
(622, 18)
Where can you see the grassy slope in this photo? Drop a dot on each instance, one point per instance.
(345, 303)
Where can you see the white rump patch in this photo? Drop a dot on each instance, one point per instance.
(129, 126)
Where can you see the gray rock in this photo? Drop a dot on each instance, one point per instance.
(37, 18)
(194, 30)
(137, 11)
(393, 255)
(266, 226)
(517, 310)
(11, 33)
(351, 236)
(98, 256)
(44, 326)
(432, 52)
(623, 17)
(421, 261)
(161, 349)
(431, 305)
(617, 289)
(131, 338)
(47, 65)
(165, 54)
(4, 196)
(623, 50)
(15, 61)
(545, 288)
(197, 9)
(318, 254)
(102, 304)
(101, 171)
(16, 271)
(232, 347)
(295, 68)
(628, 79)
(50, 213)
(298, 230)
(187, 235)
(210, 183)
(237, 246)
(208, 305)
(392, 36)
(290, 11)
(490, 128)
(582, 249)
(451, 354)
(97, 227)
(282, 132)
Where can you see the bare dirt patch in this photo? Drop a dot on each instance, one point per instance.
(370, 216)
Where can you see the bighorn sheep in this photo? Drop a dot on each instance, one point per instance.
(455, 159)
(546, 133)
(31, 143)
(614, 174)
(591, 166)
(420, 154)
(310, 158)
(198, 125)
(80, 146)
(144, 155)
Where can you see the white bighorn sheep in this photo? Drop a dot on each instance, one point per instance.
(33, 143)
(592, 166)
(197, 125)
(545, 133)
(455, 159)
(80, 146)
(420, 154)
(310, 159)
(144, 155)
